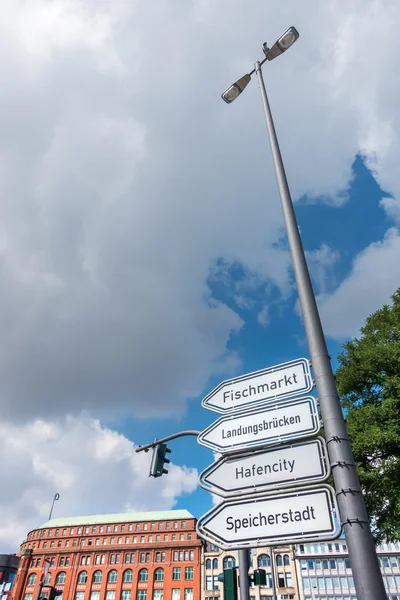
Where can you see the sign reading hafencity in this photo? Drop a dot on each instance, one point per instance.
(288, 379)
(284, 518)
(270, 425)
(263, 470)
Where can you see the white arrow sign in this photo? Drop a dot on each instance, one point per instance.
(282, 381)
(263, 470)
(286, 518)
(265, 426)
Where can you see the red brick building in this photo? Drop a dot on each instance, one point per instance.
(139, 556)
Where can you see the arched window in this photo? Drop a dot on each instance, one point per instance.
(97, 577)
(229, 562)
(264, 560)
(61, 577)
(127, 577)
(159, 575)
(31, 579)
(278, 560)
(82, 577)
(286, 560)
(112, 576)
(208, 563)
(47, 579)
(143, 575)
(215, 563)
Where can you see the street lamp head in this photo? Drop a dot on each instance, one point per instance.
(235, 89)
(285, 41)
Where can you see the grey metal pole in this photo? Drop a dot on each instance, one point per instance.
(273, 562)
(354, 519)
(244, 565)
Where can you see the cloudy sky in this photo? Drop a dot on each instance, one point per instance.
(143, 256)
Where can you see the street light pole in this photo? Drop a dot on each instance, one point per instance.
(353, 514)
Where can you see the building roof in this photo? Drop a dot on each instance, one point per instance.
(161, 515)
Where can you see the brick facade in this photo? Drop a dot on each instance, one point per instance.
(143, 556)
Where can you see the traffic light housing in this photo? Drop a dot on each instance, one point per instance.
(260, 577)
(54, 593)
(159, 460)
(229, 579)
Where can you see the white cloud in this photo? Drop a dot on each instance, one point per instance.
(123, 177)
(263, 316)
(371, 283)
(86, 463)
(321, 263)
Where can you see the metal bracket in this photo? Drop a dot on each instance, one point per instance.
(342, 463)
(348, 491)
(336, 438)
(351, 521)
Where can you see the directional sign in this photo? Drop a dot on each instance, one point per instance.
(265, 426)
(286, 380)
(286, 518)
(263, 470)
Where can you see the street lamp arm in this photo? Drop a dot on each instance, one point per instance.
(147, 447)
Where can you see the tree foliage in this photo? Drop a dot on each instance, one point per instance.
(368, 381)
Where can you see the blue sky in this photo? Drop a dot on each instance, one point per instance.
(143, 254)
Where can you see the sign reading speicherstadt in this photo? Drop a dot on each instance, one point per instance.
(283, 518)
(262, 470)
(270, 425)
(282, 381)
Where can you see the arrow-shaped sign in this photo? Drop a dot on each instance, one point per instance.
(282, 381)
(270, 425)
(262, 470)
(284, 518)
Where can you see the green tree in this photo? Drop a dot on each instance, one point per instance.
(368, 381)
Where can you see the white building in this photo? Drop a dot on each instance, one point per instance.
(324, 571)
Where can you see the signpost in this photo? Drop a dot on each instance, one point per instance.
(288, 379)
(262, 470)
(270, 425)
(287, 517)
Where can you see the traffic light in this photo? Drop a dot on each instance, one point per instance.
(229, 579)
(54, 593)
(260, 577)
(158, 461)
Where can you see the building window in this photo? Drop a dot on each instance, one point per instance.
(143, 575)
(141, 595)
(61, 578)
(112, 541)
(112, 559)
(126, 595)
(165, 538)
(281, 580)
(163, 556)
(79, 530)
(51, 544)
(188, 593)
(215, 563)
(94, 595)
(183, 525)
(209, 582)
(158, 594)
(59, 544)
(71, 531)
(47, 579)
(167, 525)
(79, 595)
(110, 595)
(67, 543)
(108, 528)
(31, 579)
(142, 557)
(67, 561)
(189, 536)
(112, 576)
(97, 577)
(174, 537)
(158, 556)
(160, 526)
(52, 562)
(128, 575)
(176, 573)
(44, 544)
(229, 562)
(145, 527)
(289, 582)
(137, 527)
(264, 560)
(176, 594)
(189, 573)
(286, 560)
(28, 597)
(159, 574)
(82, 577)
(152, 526)
(181, 537)
(126, 540)
(97, 542)
(208, 563)
(278, 560)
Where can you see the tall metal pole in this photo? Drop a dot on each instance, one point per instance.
(354, 519)
(244, 565)
(273, 563)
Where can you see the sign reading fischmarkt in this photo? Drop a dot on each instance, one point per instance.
(267, 469)
(284, 518)
(289, 419)
(282, 381)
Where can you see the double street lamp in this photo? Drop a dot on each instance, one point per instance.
(353, 515)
